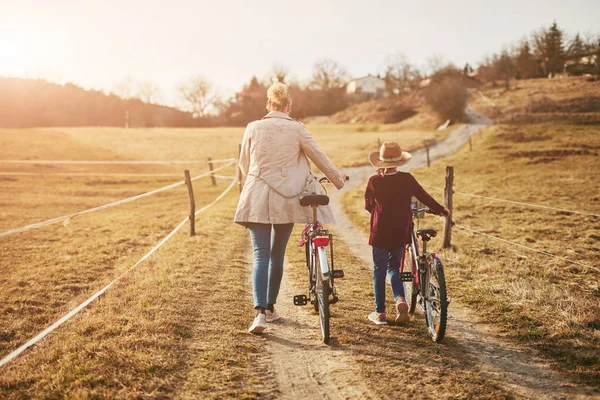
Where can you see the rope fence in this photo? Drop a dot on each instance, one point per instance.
(80, 307)
(113, 162)
(113, 204)
(517, 202)
(525, 247)
(69, 174)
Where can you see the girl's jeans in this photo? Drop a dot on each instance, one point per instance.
(386, 261)
(269, 242)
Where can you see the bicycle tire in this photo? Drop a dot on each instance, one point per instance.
(410, 288)
(322, 290)
(436, 304)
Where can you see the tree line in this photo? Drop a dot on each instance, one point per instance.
(545, 53)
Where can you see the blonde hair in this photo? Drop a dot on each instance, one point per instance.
(278, 97)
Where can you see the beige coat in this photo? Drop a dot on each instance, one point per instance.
(273, 158)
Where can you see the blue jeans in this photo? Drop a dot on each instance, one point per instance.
(386, 261)
(268, 242)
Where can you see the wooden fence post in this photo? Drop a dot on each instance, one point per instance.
(212, 175)
(188, 183)
(428, 160)
(470, 144)
(378, 143)
(448, 191)
(239, 170)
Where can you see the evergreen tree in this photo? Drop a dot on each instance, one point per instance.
(526, 66)
(554, 49)
(576, 49)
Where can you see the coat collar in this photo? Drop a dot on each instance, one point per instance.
(278, 114)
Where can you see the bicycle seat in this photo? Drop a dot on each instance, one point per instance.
(314, 200)
(426, 233)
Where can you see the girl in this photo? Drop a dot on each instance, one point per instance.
(388, 198)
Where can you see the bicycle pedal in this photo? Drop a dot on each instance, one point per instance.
(334, 300)
(338, 273)
(300, 300)
(406, 276)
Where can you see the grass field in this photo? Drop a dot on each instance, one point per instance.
(559, 100)
(154, 334)
(546, 303)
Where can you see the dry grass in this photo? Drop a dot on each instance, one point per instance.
(399, 361)
(153, 335)
(547, 303)
(522, 104)
(158, 333)
(29, 199)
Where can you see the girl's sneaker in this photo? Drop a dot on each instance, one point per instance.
(259, 324)
(402, 311)
(271, 316)
(377, 318)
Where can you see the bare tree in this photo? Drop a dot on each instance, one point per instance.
(400, 74)
(328, 74)
(279, 73)
(198, 95)
(125, 89)
(148, 92)
(434, 63)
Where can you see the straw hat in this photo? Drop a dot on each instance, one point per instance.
(389, 155)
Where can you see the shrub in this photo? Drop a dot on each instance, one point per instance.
(448, 99)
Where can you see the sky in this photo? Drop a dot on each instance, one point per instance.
(97, 44)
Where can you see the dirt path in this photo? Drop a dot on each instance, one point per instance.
(303, 367)
(521, 370)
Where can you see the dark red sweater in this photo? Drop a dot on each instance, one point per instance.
(388, 200)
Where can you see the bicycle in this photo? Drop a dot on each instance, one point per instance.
(424, 282)
(321, 272)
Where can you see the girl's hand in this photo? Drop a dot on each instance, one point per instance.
(445, 213)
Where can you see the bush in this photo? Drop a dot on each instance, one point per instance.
(448, 99)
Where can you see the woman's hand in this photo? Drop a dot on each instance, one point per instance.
(445, 212)
(344, 177)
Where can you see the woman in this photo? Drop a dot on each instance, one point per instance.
(274, 159)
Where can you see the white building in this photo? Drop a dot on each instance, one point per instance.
(370, 85)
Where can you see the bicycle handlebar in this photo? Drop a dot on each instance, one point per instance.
(326, 180)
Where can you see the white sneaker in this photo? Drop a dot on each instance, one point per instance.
(271, 316)
(258, 325)
(377, 318)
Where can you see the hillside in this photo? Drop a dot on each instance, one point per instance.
(27, 103)
(564, 99)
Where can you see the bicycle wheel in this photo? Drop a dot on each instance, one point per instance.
(322, 290)
(436, 303)
(410, 288)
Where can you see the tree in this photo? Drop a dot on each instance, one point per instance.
(435, 62)
(400, 75)
(148, 92)
(555, 52)
(279, 73)
(328, 74)
(505, 67)
(198, 95)
(576, 49)
(125, 89)
(448, 98)
(526, 66)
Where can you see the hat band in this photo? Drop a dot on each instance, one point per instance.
(390, 159)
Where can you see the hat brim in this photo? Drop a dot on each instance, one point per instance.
(376, 162)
